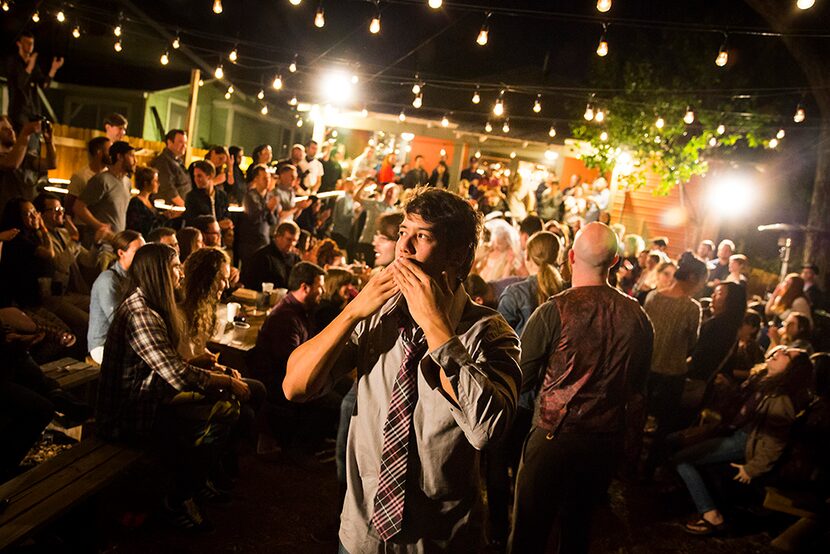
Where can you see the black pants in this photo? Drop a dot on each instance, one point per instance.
(663, 402)
(561, 480)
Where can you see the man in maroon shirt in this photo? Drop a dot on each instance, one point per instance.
(587, 351)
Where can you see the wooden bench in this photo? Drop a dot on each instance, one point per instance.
(40, 495)
(71, 373)
(804, 505)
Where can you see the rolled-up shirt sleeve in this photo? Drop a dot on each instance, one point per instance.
(485, 378)
(147, 336)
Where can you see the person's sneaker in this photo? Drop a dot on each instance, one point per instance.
(187, 516)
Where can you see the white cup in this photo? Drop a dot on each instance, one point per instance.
(267, 288)
(233, 310)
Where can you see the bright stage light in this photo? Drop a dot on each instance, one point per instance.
(731, 195)
(337, 88)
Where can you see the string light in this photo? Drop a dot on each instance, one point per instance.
(402, 116)
(660, 123)
(780, 134)
(603, 5)
(295, 2)
(506, 127)
(800, 114)
(117, 30)
(319, 17)
(602, 47)
(512, 155)
(234, 55)
(76, 32)
(61, 17)
(416, 88)
(484, 33)
(418, 101)
(773, 142)
(364, 112)
(476, 97)
(217, 6)
(374, 26)
(713, 142)
(292, 67)
(552, 131)
(219, 72)
(165, 58)
(537, 105)
(177, 43)
(689, 117)
(36, 17)
(261, 94)
(300, 122)
(293, 101)
(445, 122)
(435, 4)
(227, 96)
(277, 84)
(201, 82)
(603, 136)
(589, 112)
(721, 129)
(231, 90)
(355, 79)
(117, 46)
(264, 110)
(488, 128)
(498, 108)
(805, 4)
(478, 154)
(599, 117)
(5, 6)
(723, 55)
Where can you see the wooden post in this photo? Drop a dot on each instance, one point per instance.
(195, 75)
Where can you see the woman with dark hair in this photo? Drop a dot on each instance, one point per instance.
(758, 436)
(26, 258)
(718, 334)
(142, 215)
(795, 332)
(149, 394)
(262, 156)
(788, 297)
(190, 240)
(440, 176)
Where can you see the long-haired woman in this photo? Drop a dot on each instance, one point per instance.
(148, 393)
(788, 297)
(190, 240)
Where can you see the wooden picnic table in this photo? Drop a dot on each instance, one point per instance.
(71, 373)
(233, 341)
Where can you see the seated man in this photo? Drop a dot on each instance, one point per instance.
(288, 326)
(164, 235)
(273, 263)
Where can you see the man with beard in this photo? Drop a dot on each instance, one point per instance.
(102, 206)
(174, 182)
(441, 371)
(98, 155)
(311, 168)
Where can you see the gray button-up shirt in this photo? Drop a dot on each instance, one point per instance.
(443, 507)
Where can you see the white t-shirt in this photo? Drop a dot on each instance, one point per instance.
(315, 172)
(78, 182)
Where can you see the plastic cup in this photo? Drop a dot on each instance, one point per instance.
(233, 310)
(267, 288)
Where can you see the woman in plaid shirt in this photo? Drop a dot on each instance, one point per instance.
(149, 394)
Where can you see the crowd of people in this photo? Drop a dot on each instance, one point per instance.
(398, 334)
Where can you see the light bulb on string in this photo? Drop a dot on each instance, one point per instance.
(231, 90)
(689, 116)
(603, 5)
(364, 112)
(295, 2)
(201, 82)
(402, 116)
(721, 129)
(435, 4)
(227, 96)
(418, 101)
(234, 55)
(293, 101)
(805, 4)
(374, 26)
(552, 131)
(300, 122)
(498, 107)
(506, 127)
(476, 97)
(602, 46)
(292, 67)
(488, 128)
(217, 6)
(117, 30)
(416, 88)
(599, 117)
(603, 136)
(800, 115)
(261, 94)
(165, 58)
(723, 54)
(537, 105)
(320, 17)
(445, 122)
(773, 142)
(660, 123)
(484, 34)
(117, 46)
(512, 155)
(589, 112)
(264, 110)
(713, 141)
(219, 72)
(76, 32)
(61, 17)
(780, 134)
(5, 6)
(36, 17)
(277, 84)
(177, 43)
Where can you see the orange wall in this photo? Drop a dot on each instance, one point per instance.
(430, 149)
(573, 166)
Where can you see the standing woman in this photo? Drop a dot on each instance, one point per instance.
(146, 389)
(142, 215)
(440, 176)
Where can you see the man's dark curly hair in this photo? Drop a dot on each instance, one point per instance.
(456, 224)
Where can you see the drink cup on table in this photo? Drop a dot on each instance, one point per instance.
(267, 288)
(233, 310)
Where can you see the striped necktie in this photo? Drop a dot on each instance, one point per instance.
(387, 518)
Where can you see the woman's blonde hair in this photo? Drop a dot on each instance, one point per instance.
(543, 249)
